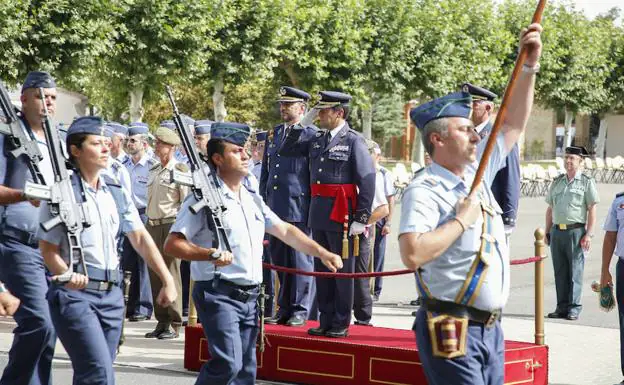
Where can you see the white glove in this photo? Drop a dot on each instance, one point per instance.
(309, 118)
(357, 228)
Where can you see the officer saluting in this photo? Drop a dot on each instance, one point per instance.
(23, 271)
(285, 187)
(342, 178)
(226, 302)
(457, 242)
(87, 312)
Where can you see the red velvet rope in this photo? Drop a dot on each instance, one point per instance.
(290, 270)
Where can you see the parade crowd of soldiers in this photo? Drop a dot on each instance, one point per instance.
(308, 194)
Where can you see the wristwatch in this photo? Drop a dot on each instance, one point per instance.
(215, 255)
(531, 70)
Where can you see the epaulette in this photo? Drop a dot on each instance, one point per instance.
(110, 180)
(320, 133)
(357, 133)
(587, 177)
(619, 195)
(116, 165)
(182, 167)
(559, 176)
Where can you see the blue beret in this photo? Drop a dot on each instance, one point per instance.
(93, 125)
(235, 133)
(330, 99)
(138, 128)
(479, 93)
(117, 128)
(458, 104)
(168, 124)
(38, 79)
(261, 136)
(292, 94)
(202, 127)
(573, 150)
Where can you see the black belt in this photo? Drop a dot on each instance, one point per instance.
(25, 237)
(571, 226)
(100, 285)
(242, 293)
(451, 308)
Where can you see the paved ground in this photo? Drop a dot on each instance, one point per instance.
(585, 352)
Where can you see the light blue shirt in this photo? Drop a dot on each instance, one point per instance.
(139, 176)
(23, 215)
(256, 170)
(388, 183)
(111, 212)
(615, 222)
(119, 172)
(429, 202)
(246, 220)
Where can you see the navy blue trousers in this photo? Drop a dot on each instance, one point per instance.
(379, 253)
(268, 280)
(483, 363)
(334, 296)
(88, 323)
(362, 300)
(619, 296)
(185, 276)
(296, 292)
(140, 295)
(231, 329)
(30, 359)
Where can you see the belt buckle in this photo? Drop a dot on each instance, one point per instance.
(492, 318)
(102, 286)
(563, 226)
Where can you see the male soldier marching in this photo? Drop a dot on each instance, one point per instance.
(23, 270)
(342, 178)
(457, 242)
(285, 186)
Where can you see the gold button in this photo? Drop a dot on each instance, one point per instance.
(274, 187)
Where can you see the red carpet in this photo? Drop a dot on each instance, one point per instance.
(370, 355)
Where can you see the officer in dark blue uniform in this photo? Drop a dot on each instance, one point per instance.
(87, 312)
(138, 163)
(285, 187)
(21, 266)
(506, 185)
(342, 180)
(227, 284)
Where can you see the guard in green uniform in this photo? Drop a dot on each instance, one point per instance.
(571, 216)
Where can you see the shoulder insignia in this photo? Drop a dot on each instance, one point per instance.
(619, 195)
(116, 165)
(182, 167)
(319, 133)
(110, 181)
(352, 131)
(431, 182)
(560, 176)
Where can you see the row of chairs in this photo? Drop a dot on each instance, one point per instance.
(535, 180)
(609, 170)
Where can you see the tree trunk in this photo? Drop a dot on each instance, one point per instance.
(218, 99)
(136, 104)
(567, 124)
(367, 121)
(601, 141)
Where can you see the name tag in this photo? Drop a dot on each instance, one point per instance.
(339, 148)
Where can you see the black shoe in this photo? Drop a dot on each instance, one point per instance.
(277, 320)
(572, 317)
(337, 332)
(414, 313)
(362, 323)
(317, 331)
(155, 333)
(295, 321)
(138, 318)
(375, 297)
(169, 334)
(415, 302)
(557, 314)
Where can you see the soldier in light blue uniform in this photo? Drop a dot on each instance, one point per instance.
(456, 241)
(226, 302)
(285, 187)
(87, 312)
(21, 266)
(614, 244)
(342, 179)
(118, 141)
(140, 306)
(115, 168)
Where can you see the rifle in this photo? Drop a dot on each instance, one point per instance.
(64, 208)
(204, 189)
(19, 143)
